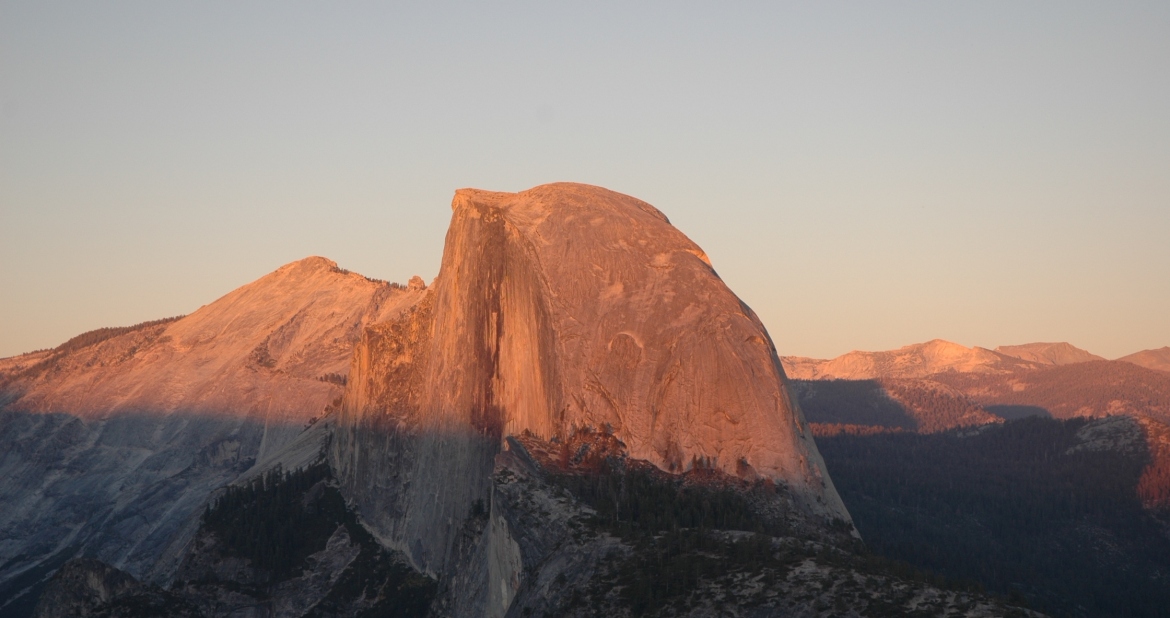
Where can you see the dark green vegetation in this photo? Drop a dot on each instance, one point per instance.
(850, 406)
(1154, 486)
(669, 566)
(642, 499)
(267, 522)
(704, 530)
(333, 378)
(343, 271)
(280, 519)
(94, 337)
(33, 583)
(1011, 507)
(152, 602)
(673, 526)
(275, 522)
(82, 341)
(850, 402)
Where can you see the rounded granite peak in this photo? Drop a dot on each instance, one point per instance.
(568, 306)
(546, 197)
(310, 264)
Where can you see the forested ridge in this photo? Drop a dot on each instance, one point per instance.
(94, 337)
(704, 528)
(1095, 388)
(279, 519)
(1017, 507)
(893, 404)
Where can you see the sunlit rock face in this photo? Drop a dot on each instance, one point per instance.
(559, 307)
(261, 351)
(112, 448)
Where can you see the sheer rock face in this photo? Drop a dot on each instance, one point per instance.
(563, 306)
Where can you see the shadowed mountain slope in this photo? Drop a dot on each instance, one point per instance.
(110, 443)
(1066, 511)
(889, 404)
(1043, 509)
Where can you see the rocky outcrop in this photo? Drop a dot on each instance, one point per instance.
(282, 545)
(562, 307)
(86, 587)
(556, 541)
(110, 443)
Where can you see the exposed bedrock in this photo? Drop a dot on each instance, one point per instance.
(562, 306)
(111, 443)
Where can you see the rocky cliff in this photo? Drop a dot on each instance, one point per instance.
(566, 306)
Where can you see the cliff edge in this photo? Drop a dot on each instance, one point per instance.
(561, 307)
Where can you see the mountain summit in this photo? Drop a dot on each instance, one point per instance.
(1158, 359)
(1049, 353)
(111, 442)
(912, 361)
(257, 352)
(562, 307)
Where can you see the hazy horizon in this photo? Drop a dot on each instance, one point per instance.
(864, 177)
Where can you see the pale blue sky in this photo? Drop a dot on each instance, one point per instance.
(863, 175)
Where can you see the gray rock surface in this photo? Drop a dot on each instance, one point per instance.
(110, 448)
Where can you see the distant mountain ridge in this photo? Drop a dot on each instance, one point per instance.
(1049, 353)
(920, 360)
(1020, 460)
(1048, 379)
(913, 361)
(1158, 359)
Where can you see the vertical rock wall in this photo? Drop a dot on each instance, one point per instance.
(563, 306)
